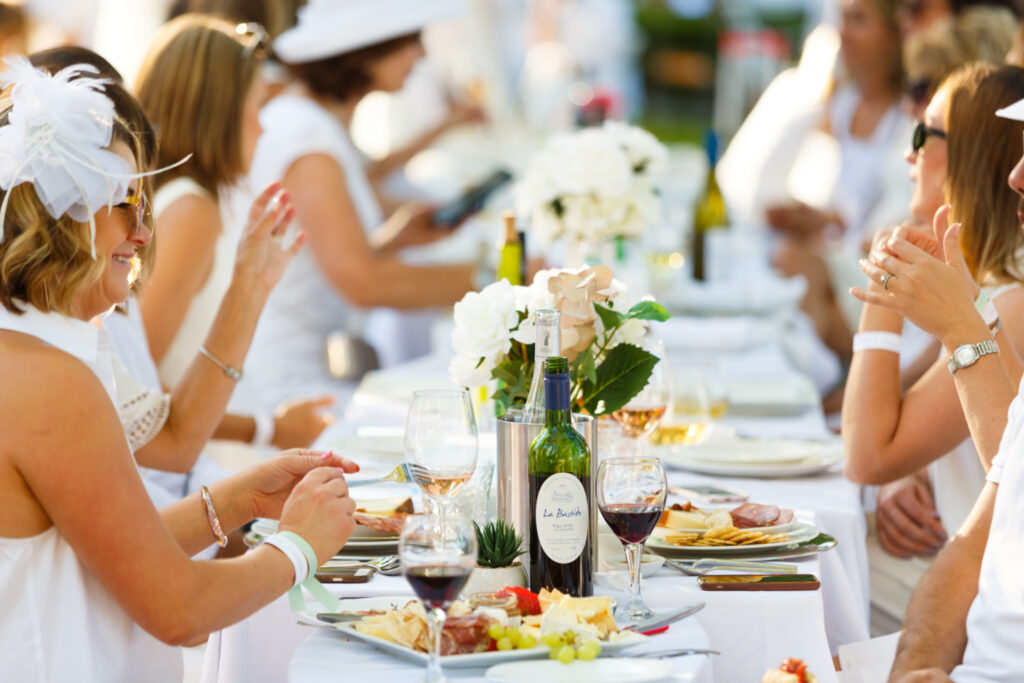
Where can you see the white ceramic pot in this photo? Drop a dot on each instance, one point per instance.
(491, 579)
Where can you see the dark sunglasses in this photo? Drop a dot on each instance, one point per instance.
(921, 135)
(259, 43)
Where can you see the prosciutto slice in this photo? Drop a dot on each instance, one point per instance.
(752, 515)
(465, 635)
(391, 524)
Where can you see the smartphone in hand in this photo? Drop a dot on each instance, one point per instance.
(472, 201)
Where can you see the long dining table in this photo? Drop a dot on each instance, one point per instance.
(753, 631)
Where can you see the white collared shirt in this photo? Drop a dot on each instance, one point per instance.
(85, 341)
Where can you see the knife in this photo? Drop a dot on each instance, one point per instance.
(664, 620)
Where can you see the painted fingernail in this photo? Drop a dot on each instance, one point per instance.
(327, 454)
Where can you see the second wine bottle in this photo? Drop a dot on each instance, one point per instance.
(560, 494)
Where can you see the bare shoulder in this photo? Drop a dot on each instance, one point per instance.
(192, 216)
(1010, 305)
(313, 170)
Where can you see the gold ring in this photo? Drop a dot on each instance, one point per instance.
(885, 279)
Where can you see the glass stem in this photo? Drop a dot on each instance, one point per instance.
(634, 551)
(435, 624)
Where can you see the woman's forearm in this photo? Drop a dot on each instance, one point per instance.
(236, 428)
(199, 400)
(389, 282)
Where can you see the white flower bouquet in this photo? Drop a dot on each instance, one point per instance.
(593, 185)
(494, 337)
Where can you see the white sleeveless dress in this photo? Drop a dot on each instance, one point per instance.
(58, 623)
(288, 356)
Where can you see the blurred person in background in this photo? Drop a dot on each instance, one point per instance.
(917, 15)
(917, 443)
(13, 29)
(864, 118)
(338, 52)
(275, 16)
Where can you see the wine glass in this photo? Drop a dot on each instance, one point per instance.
(631, 497)
(643, 413)
(440, 443)
(438, 554)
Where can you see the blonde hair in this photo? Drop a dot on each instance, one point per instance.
(979, 34)
(45, 262)
(199, 70)
(982, 150)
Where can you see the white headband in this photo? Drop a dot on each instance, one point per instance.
(57, 134)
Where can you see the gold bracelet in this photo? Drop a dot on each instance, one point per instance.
(212, 518)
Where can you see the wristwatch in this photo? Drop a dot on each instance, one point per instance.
(968, 354)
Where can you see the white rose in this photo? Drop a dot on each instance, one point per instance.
(465, 372)
(643, 149)
(483, 321)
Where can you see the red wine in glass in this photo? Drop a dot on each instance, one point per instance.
(437, 586)
(632, 523)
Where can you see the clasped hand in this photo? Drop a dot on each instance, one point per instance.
(930, 285)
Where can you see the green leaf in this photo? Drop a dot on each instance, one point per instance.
(508, 371)
(649, 310)
(609, 318)
(621, 376)
(585, 368)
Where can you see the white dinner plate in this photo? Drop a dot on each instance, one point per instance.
(478, 659)
(362, 539)
(764, 458)
(773, 529)
(797, 534)
(597, 671)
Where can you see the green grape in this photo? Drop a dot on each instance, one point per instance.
(567, 654)
(569, 636)
(552, 640)
(588, 651)
(527, 642)
(496, 631)
(513, 635)
(555, 651)
(504, 644)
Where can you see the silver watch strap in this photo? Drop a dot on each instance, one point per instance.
(983, 348)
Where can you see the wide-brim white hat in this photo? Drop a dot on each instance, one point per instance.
(334, 27)
(1015, 111)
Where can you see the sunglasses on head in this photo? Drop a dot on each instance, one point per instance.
(919, 90)
(259, 43)
(921, 135)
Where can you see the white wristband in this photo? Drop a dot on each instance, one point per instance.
(263, 434)
(293, 553)
(877, 341)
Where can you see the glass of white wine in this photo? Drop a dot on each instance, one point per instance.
(699, 397)
(644, 412)
(441, 444)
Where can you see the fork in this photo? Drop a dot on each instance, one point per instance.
(403, 474)
(706, 566)
(385, 564)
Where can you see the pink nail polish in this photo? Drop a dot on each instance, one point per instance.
(327, 455)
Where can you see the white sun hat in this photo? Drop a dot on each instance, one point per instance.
(334, 27)
(1015, 111)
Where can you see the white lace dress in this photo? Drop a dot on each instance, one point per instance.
(58, 623)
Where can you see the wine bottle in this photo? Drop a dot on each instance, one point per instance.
(559, 467)
(510, 252)
(709, 213)
(548, 344)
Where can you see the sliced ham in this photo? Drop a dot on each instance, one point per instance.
(465, 635)
(785, 517)
(388, 524)
(751, 515)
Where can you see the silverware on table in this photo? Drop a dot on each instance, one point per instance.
(403, 474)
(388, 565)
(658, 621)
(706, 566)
(661, 654)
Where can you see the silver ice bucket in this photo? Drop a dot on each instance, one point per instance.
(514, 439)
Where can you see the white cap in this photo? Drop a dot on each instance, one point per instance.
(1015, 111)
(327, 28)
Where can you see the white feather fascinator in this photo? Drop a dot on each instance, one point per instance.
(59, 127)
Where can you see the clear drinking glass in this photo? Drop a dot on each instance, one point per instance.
(437, 556)
(644, 412)
(699, 397)
(631, 497)
(440, 443)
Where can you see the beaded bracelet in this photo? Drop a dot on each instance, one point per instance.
(212, 518)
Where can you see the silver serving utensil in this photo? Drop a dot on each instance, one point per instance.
(661, 654)
(706, 566)
(403, 474)
(659, 621)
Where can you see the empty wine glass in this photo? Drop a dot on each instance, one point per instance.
(644, 412)
(631, 497)
(437, 556)
(440, 443)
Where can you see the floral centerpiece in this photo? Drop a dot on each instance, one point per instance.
(600, 331)
(593, 186)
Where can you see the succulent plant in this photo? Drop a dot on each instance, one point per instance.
(498, 544)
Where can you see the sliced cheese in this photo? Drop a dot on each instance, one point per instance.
(680, 519)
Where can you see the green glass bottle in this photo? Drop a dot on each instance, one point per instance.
(510, 252)
(709, 213)
(560, 471)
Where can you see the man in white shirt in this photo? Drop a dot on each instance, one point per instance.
(965, 622)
